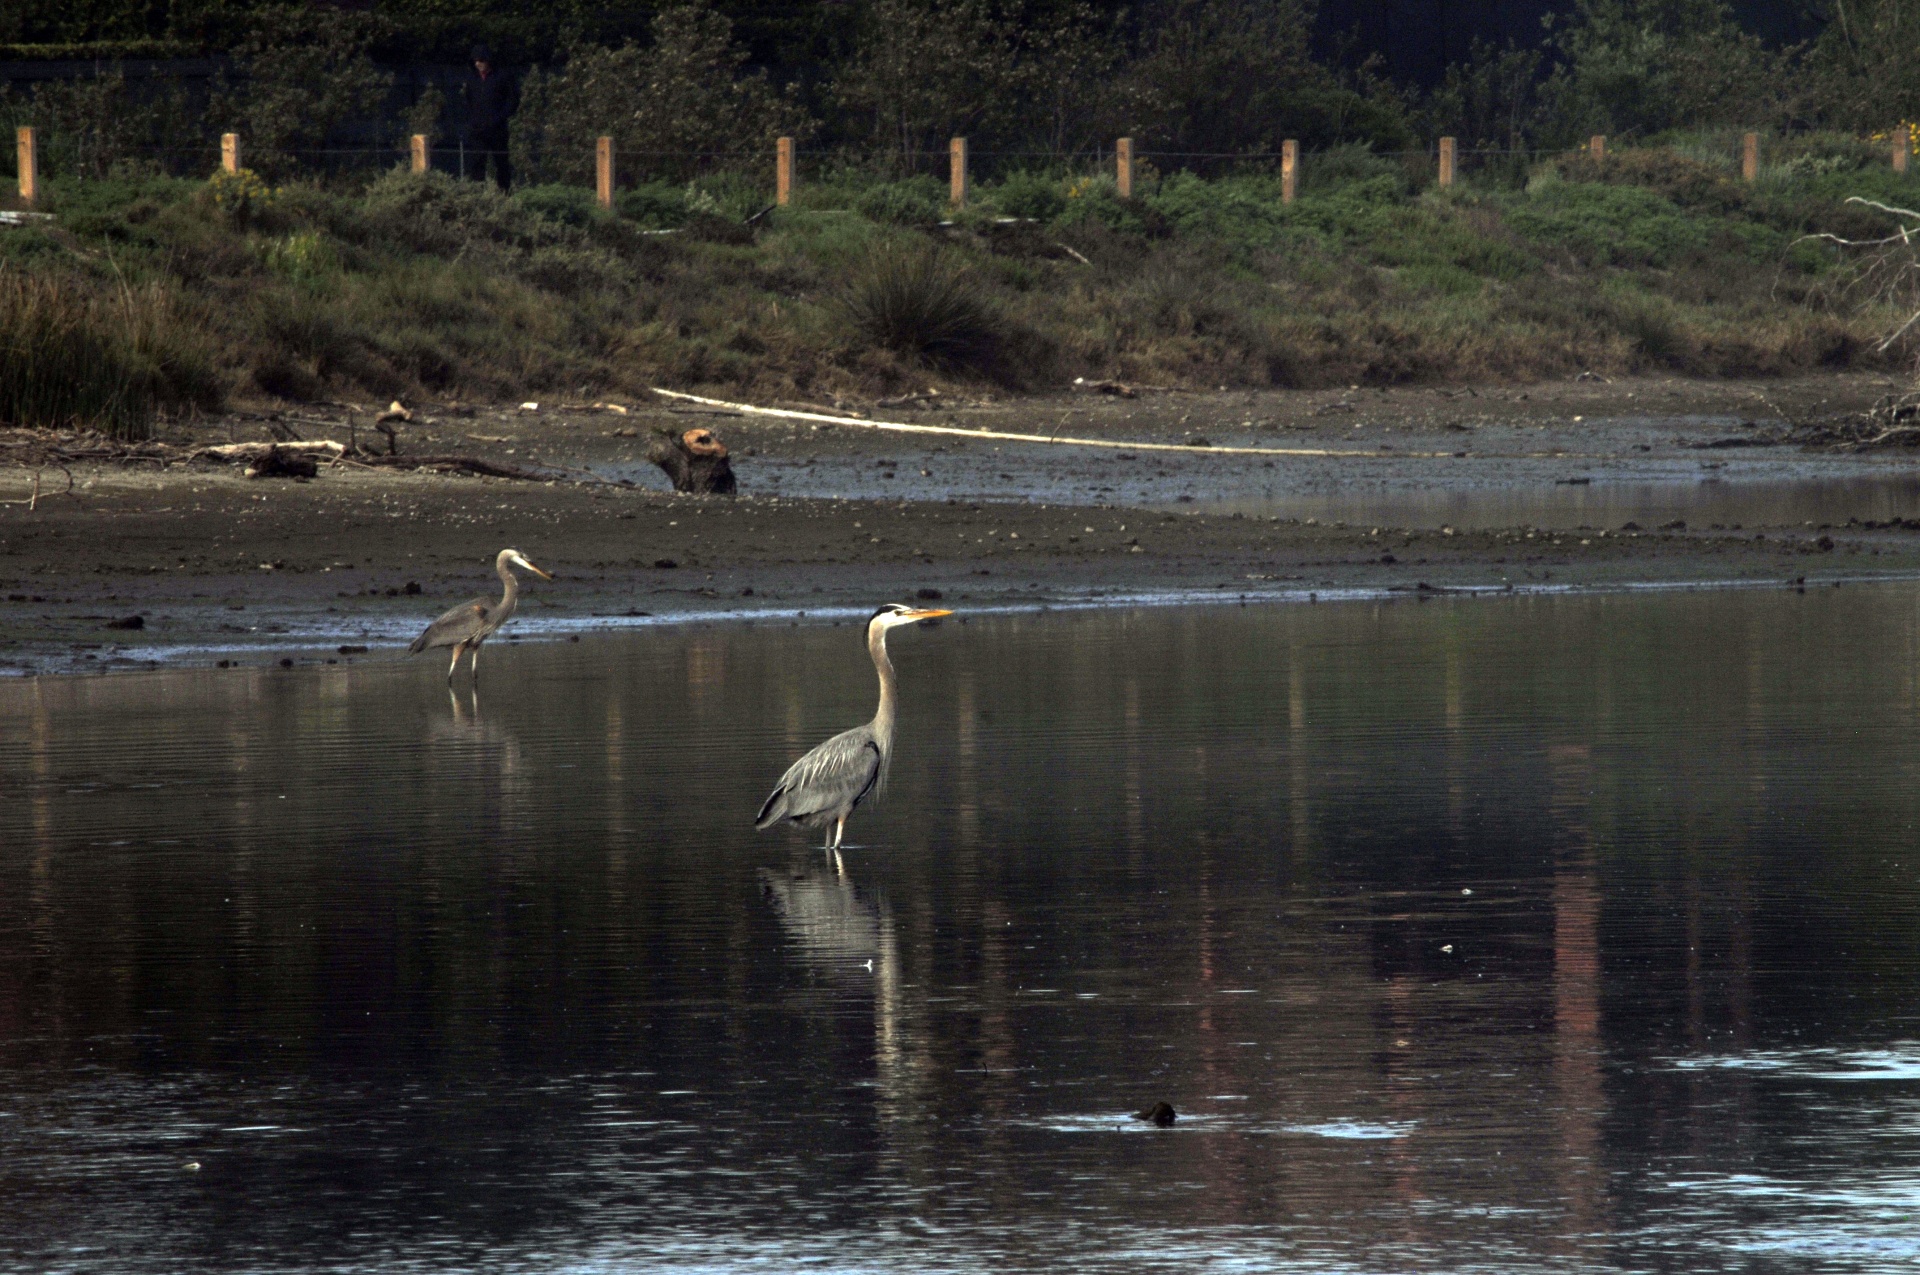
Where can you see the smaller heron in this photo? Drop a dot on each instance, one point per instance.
(468, 625)
(823, 787)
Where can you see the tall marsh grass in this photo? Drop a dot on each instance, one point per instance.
(71, 357)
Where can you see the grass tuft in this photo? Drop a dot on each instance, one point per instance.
(920, 302)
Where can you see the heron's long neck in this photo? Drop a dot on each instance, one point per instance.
(883, 719)
(511, 586)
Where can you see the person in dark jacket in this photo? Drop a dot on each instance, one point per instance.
(493, 95)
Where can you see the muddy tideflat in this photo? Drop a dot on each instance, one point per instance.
(1487, 487)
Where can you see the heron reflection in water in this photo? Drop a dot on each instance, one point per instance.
(833, 925)
(823, 787)
(466, 626)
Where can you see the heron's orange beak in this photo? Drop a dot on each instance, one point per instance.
(927, 615)
(537, 571)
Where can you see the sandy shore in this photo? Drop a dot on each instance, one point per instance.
(1547, 486)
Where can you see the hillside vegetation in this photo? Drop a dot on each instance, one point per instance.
(1656, 259)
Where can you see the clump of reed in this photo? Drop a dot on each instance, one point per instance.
(72, 356)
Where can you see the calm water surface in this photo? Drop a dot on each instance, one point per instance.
(1535, 934)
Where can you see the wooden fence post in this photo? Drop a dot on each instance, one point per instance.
(1446, 161)
(417, 144)
(603, 171)
(1902, 147)
(1749, 156)
(957, 171)
(29, 167)
(1597, 147)
(229, 152)
(783, 172)
(1123, 168)
(1289, 170)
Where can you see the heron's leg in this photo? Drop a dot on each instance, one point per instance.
(839, 830)
(473, 664)
(458, 648)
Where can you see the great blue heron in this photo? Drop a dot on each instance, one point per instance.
(823, 787)
(468, 625)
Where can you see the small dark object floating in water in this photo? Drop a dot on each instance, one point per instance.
(1160, 1113)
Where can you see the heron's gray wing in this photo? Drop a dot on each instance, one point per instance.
(834, 776)
(456, 626)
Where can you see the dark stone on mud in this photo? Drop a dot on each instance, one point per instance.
(131, 622)
(411, 588)
(928, 595)
(353, 650)
(665, 564)
(1160, 1113)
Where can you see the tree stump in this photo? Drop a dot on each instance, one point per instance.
(696, 461)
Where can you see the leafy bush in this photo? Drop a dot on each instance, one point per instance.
(567, 205)
(435, 213)
(917, 201)
(1033, 195)
(1341, 167)
(1616, 225)
(919, 301)
(655, 205)
(304, 257)
(241, 194)
(1689, 182)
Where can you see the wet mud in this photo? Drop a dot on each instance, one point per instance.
(1572, 485)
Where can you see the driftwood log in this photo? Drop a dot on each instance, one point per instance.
(283, 462)
(695, 460)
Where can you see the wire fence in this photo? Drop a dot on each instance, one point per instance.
(784, 170)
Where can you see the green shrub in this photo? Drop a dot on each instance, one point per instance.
(565, 205)
(1032, 195)
(304, 258)
(242, 195)
(655, 205)
(1345, 166)
(917, 201)
(436, 213)
(1685, 181)
(1613, 225)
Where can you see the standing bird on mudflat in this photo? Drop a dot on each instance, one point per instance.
(822, 788)
(468, 625)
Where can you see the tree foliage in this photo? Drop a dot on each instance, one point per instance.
(676, 104)
(301, 73)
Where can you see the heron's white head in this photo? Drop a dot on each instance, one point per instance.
(893, 615)
(514, 558)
